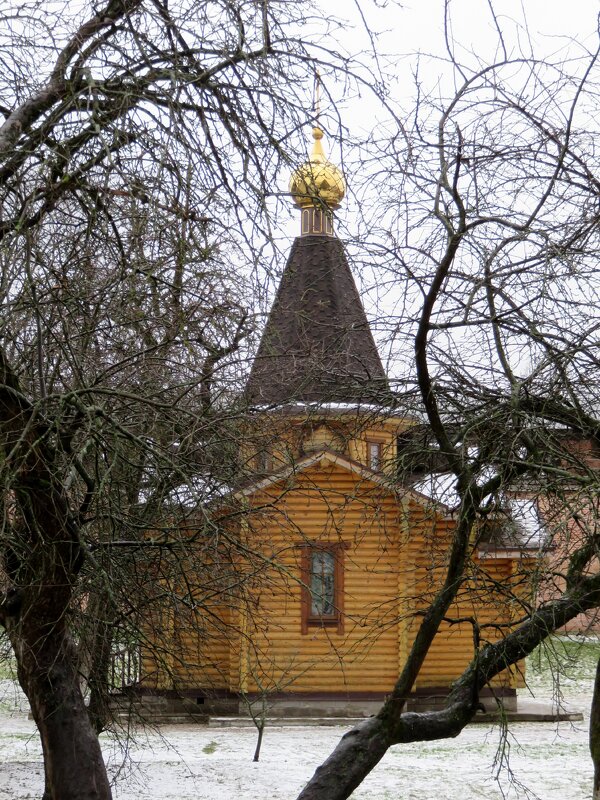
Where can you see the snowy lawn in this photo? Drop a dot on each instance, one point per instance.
(540, 760)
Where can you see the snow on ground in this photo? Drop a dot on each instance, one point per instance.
(546, 761)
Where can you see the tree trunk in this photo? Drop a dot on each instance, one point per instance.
(595, 734)
(95, 655)
(361, 749)
(261, 730)
(74, 767)
(41, 568)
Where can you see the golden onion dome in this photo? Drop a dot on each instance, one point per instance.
(317, 181)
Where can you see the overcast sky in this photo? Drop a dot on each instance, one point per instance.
(410, 36)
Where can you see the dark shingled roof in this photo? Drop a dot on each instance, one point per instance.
(317, 345)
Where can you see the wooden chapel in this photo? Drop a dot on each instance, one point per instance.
(336, 558)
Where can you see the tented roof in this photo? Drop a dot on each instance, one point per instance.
(317, 345)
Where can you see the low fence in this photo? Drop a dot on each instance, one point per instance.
(125, 669)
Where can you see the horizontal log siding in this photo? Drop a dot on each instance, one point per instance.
(202, 647)
(327, 505)
(200, 607)
(250, 638)
(479, 599)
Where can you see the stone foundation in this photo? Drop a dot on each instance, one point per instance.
(198, 706)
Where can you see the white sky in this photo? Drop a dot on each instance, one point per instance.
(409, 36)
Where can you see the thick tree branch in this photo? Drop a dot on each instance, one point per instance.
(58, 86)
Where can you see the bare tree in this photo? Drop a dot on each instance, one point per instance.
(491, 228)
(136, 135)
(595, 733)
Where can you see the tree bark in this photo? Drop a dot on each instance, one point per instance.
(42, 566)
(95, 655)
(261, 730)
(74, 767)
(595, 734)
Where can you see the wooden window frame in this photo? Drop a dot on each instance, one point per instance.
(379, 444)
(264, 462)
(335, 620)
